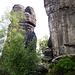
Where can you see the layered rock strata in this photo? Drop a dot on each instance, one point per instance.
(28, 24)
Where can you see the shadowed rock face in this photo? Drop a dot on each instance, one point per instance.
(28, 23)
(49, 44)
(30, 16)
(61, 19)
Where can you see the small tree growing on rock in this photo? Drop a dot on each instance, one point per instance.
(17, 60)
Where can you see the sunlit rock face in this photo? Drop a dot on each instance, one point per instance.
(28, 23)
(18, 7)
(61, 19)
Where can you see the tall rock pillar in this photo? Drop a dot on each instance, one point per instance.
(61, 19)
(28, 23)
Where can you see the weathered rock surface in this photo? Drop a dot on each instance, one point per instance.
(42, 69)
(28, 24)
(61, 19)
(48, 52)
(30, 15)
(18, 7)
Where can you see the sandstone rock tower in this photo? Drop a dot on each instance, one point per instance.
(61, 19)
(29, 23)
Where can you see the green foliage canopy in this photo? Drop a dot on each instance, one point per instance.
(65, 66)
(17, 60)
(43, 43)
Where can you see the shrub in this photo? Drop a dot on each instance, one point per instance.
(17, 60)
(64, 66)
(70, 73)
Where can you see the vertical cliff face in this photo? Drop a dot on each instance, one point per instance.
(61, 19)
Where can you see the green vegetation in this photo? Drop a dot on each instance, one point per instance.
(2, 32)
(43, 43)
(65, 66)
(17, 60)
(2, 35)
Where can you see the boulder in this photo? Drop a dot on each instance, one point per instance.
(48, 52)
(42, 69)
